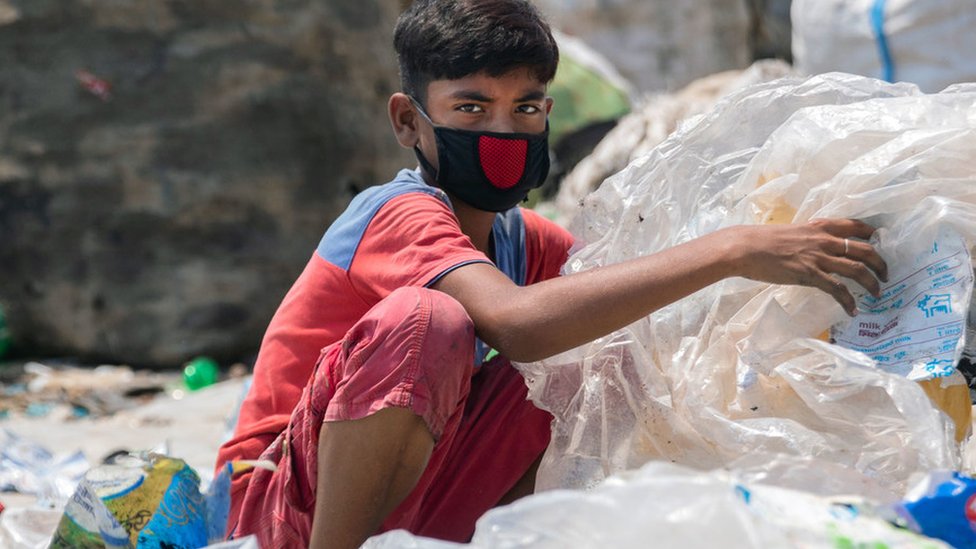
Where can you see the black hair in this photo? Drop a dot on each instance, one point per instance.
(451, 39)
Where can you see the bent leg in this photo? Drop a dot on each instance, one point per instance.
(491, 461)
(361, 436)
(366, 468)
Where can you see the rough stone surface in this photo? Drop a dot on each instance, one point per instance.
(166, 215)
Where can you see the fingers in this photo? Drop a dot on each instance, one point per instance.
(851, 234)
(854, 270)
(845, 228)
(866, 254)
(836, 290)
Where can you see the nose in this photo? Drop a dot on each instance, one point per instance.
(503, 122)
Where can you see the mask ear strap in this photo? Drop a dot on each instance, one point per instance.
(424, 163)
(421, 110)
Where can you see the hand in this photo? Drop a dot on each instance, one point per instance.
(813, 254)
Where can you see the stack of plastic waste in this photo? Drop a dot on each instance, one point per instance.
(653, 120)
(743, 367)
(666, 506)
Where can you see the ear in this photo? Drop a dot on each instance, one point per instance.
(405, 120)
(548, 105)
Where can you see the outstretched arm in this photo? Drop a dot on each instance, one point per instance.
(537, 321)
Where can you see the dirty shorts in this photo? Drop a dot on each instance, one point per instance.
(412, 350)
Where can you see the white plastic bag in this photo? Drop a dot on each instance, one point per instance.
(928, 42)
(740, 368)
(665, 506)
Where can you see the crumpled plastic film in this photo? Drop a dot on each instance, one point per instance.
(743, 368)
(29, 468)
(666, 506)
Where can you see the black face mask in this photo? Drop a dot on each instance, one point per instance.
(488, 170)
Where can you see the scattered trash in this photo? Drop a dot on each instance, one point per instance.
(200, 372)
(943, 506)
(81, 406)
(94, 85)
(29, 468)
(38, 409)
(78, 392)
(147, 501)
(29, 528)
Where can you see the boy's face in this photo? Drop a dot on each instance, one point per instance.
(514, 102)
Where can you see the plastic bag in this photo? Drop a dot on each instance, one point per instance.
(672, 507)
(29, 468)
(928, 42)
(743, 367)
(942, 505)
(151, 503)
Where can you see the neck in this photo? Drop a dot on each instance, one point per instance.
(475, 223)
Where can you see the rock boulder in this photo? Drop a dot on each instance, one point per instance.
(166, 168)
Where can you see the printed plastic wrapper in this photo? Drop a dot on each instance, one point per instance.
(744, 368)
(667, 506)
(942, 505)
(151, 502)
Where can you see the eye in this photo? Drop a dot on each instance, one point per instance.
(470, 108)
(529, 109)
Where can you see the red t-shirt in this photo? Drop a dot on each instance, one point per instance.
(400, 234)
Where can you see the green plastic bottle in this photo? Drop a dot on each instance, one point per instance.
(200, 372)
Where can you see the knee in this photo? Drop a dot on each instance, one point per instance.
(417, 320)
(442, 316)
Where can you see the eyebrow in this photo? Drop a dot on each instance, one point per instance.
(472, 95)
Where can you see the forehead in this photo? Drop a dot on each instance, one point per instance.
(517, 84)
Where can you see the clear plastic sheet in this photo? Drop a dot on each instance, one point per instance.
(665, 506)
(742, 369)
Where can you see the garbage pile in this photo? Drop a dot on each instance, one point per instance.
(114, 430)
(744, 368)
(671, 507)
(69, 391)
(655, 118)
(37, 389)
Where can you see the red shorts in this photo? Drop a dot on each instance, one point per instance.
(414, 350)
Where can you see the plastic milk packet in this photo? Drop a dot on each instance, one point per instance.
(916, 328)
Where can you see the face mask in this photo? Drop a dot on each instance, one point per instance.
(488, 170)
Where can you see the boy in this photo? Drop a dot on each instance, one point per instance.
(373, 392)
